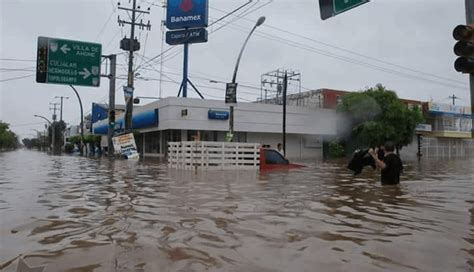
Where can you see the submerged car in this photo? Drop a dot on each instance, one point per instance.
(271, 159)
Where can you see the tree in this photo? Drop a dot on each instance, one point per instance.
(59, 128)
(8, 139)
(32, 143)
(377, 115)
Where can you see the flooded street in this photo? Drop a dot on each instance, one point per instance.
(79, 214)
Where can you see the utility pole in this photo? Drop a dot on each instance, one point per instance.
(54, 109)
(454, 97)
(53, 126)
(163, 30)
(470, 20)
(61, 111)
(112, 79)
(131, 45)
(285, 88)
(272, 82)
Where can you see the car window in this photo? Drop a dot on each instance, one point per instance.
(273, 157)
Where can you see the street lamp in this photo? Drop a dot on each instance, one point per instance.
(81, 148)
(259, 22)
(53, 142)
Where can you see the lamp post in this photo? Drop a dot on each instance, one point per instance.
(53, 141)
(81, 148)
(259, 22)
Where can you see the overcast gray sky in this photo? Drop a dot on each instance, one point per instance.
(384, 41)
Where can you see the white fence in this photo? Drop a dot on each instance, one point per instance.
(213, 155)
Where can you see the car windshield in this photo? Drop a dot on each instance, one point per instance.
(274, 157)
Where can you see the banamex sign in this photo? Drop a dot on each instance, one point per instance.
(183, 14)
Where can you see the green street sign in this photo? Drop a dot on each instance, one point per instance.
(344, 5)
(68, 62)
(330, 8)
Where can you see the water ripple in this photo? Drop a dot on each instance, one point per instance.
(81, 214)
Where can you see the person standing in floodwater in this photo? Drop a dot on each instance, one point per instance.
(280, 149)
(391, 164)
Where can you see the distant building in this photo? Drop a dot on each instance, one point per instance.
(324, 98)
(447, 132)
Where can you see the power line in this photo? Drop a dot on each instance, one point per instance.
(245, 13)
(152, 60)
(346, 50)
(345, 59)
(26, 69)
(105, 25)
(111, 40)
(19, 60)
(15, 78)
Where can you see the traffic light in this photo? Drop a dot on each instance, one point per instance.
(42, 57)
(42, 60)
(464, 48)
(112, 118)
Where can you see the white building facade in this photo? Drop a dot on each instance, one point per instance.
(184, 119)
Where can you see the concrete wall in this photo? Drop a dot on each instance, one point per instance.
(298, 147)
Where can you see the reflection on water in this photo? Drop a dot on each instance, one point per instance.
(79, 214)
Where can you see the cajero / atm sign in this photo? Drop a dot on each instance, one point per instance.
(68, 62)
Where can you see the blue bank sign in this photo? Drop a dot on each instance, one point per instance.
(218, 115)
(182, 14)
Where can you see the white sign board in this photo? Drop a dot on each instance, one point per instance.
(125, 146)
(424, 128)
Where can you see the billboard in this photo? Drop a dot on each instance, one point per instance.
(125, 146)
(438, 108)
(182, 14)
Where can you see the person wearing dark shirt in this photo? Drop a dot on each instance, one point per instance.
(391, 165)
(381, 152)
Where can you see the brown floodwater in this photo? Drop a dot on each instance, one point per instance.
(80, 214)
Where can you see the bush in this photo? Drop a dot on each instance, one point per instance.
(69, 148)
(336, 150)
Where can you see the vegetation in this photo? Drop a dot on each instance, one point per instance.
(378, 115)
(32, 143)
(8, 139)
(59, 128)
(69, 148)
(336, 150)
(94, 139)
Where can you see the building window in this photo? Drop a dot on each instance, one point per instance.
(152, 142)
